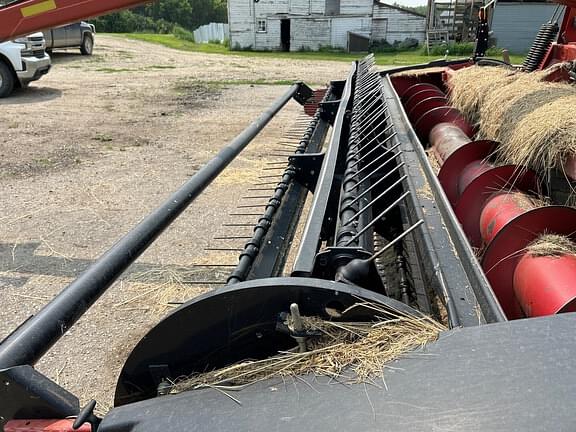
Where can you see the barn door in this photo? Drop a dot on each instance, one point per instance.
(285, 34)
(380, 29)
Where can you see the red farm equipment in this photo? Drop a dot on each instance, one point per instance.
(387, 234)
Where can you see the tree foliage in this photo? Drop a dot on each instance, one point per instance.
(161, 16)
(422, 10)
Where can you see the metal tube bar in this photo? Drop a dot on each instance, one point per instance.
(374, 138)
(327, 183)
(360, 130)
(364, 95)
(380, 180)
(380, 144)
(31, 340)
(364, 121)
(365, 109)
(388, 138)
(366, 207)
(365, 112)
(396, 240)
(349, 192)
(367, 79)
(364, 168)
(364, 77)
(394, 156)
(377, 218)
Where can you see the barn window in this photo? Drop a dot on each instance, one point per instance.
(261, 26)
(332, 7)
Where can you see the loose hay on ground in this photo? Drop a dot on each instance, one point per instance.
(160, 290)
(363, 348)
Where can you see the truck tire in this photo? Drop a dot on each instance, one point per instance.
(6, 80)
(87, 45)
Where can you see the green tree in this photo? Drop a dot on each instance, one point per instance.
(160, 16)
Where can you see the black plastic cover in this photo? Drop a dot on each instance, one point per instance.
(509, 376)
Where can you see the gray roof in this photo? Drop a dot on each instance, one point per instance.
(378, 2)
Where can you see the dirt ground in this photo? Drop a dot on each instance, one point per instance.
(89, 150)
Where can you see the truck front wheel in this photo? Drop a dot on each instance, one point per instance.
(6, 80)
(87, 45)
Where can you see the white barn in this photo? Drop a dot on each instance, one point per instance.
(293, 25)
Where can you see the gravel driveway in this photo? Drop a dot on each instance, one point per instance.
(89, 150)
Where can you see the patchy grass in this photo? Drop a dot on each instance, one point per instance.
(142, 69)
(43, 162)
(207, 86)
(160, 67)
(397, 58)
(260, 81)
(115, 70)
(102, 137)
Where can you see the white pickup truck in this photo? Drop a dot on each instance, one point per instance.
(21, 61)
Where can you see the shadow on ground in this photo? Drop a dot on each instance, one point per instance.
(33, 94)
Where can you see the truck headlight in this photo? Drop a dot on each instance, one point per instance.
(27, 50)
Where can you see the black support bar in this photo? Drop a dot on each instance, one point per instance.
(28, 343)
(327, 189)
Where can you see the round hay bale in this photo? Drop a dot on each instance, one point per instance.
(470, 86)
(543, 138)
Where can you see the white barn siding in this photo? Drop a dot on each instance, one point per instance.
(316, 23)
(269, 40)
(309, 33)
(265, 8)
(241, 21)
(356, 7)
(392, 24)
(300, 7)
(341, 27)
(307, 7)
(515, 24)
(318, 7)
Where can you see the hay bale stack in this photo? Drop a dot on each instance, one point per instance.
(469, 87)
(552, 245)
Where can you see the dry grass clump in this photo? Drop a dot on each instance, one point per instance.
(502, 110)
(530, 117)
(470, 86)
(544, 138)
(163, 289)
(362, 347)
(552, 245)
